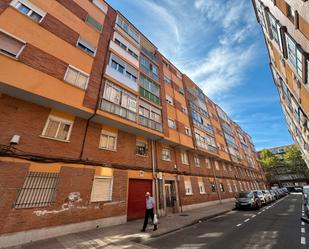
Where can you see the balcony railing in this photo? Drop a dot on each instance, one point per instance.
(147, 122)
(208, 147)
(149, 54)
(149, 73)
(198, 109)
(203, 127)
(118, 110)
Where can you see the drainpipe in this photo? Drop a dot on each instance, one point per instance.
(218, 192)
(153, 162)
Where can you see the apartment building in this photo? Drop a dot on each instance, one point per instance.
(285, 24)
(92, 116)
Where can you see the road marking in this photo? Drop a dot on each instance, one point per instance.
(238, 225)
(302, 230)
(259, 212)
(253, 216)
(303, 240)
(302, 223)
(246, 220)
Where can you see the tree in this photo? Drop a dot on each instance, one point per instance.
(268, 159)
(294, 160)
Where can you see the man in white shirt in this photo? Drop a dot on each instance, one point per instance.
(150, 211)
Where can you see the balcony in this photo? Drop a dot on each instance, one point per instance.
(203, 127)
(123, 53)
(149, 73)
(149, 54)
(117, 110)
(207, 147)
(198, 109)
(149, 123)
(121, 78)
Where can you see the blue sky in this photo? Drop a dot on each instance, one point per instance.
(218, 44)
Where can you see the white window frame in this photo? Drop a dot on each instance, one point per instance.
(169, 99)
(201, 187)
(217, 166)
(229, 186)
(108, 134)
(207, 163)
(184, 157)
(111, 188)
(188, 131)
(31, 6)
(61, 120)
(79, 72)
(87, 45)
(169, 154)
(171, 123)
(188, 187)
(146, 147)
(16, 38)
(197, 161)
(100, 5)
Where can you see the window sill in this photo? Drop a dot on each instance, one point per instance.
(56, 139)
(144, 156)
(108, 149)
(187, 164)
(203, 193)
(189, 194)
(167, 160)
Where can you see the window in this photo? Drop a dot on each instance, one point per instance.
(171, 123)
(229, 186)
(188, 131)
(197, 161)
(124, 46)
(221, 186)
(241, 188)
(184, 157)
(150, 116)
(290, 12)
(28, 9)
(201, 187)
(217, 165)
(102, 188)
(166, 154)
(100, 5)
(294, 54)
(38, 190)
(274, 28)
(149, 90)
(224, 166)
(260, 11)
(57, 128)
(188, 187)
(213, 187)
(94, 23)
(207, 162)
(230, 168)
(127, 28)
(169, 99)
(181, 91)
(9, 45)
(184, 109)
(108, 140)
(141, 148)
(149, 68)
(235, 187)
(165, 64)
(167, 80)
(76, 77)
(123, 68)
(85, 46)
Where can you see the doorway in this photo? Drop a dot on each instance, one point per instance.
(170, 196)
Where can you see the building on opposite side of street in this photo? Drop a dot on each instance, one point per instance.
(285, 24)
(92, 116)
(282, 173)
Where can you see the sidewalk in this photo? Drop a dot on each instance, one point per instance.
(128, 235)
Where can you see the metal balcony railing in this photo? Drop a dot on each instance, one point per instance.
(147, 122)
(149, 73)
(118, 110)
(149, 54)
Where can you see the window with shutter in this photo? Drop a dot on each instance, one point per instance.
(57, 128)
(102, 188)
(10, 45)
(76, 77)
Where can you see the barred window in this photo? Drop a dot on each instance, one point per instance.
(38, 190)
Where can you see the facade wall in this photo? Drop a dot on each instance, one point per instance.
(120, 139)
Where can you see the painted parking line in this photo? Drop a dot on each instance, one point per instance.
(302, 230)
(238, 225)
(253, 216)
(259, 212)
(303, 240)
(302, 223)
(246, 220)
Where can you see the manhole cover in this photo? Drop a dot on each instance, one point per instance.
(183, 215)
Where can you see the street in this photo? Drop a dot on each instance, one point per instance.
(276, 225)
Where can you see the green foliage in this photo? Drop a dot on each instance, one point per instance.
(294, 160)
(268, 159)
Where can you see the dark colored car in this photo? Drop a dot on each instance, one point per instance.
(248, 200)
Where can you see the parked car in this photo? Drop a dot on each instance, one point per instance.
(278, 193)
(285, 190)
(273, 195)
(306, 193)
(248, 199)
(267, 196)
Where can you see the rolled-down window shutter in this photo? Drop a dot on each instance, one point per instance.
(10, 45)
(101, 189)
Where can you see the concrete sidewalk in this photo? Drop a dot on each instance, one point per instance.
(128, 235)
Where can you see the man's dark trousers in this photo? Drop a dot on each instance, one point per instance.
(149, 212)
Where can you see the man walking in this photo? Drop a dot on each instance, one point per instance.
(150, 211)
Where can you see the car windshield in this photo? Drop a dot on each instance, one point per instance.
(245, 195)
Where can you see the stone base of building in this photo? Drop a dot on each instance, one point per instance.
(17, 238)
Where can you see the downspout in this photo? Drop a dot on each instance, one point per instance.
(153, 162)
(218, 192)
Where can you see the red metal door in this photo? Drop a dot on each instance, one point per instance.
(136, 198)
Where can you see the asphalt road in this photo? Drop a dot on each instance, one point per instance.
(276, 225)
